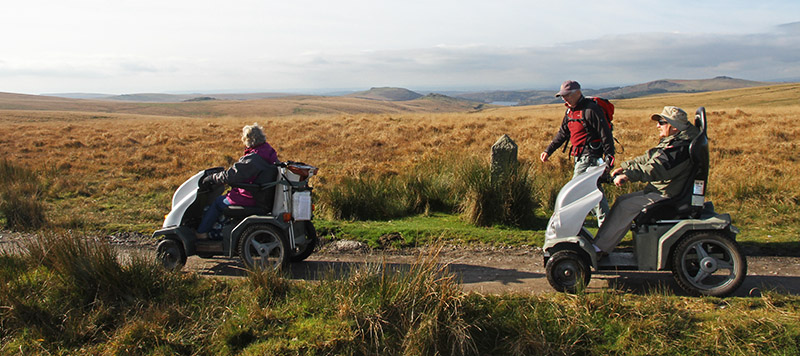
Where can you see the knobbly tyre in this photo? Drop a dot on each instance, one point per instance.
(682, 234)
(274, 232)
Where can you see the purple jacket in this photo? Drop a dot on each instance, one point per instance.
(246, 170)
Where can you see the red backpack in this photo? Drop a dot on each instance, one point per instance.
(608, 109)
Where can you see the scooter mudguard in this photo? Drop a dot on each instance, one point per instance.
(671, 237)
(575, 200)
(181, 233)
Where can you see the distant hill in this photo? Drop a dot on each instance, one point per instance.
(679, 86)
(80, 95)
(511, 96)
(387, 94)
(168, 98)
(206, 107)
(375, 100)
(201, 98)
(393, 94)
(537, 97)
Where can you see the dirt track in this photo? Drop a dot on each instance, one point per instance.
(483, 270)
(518, 270)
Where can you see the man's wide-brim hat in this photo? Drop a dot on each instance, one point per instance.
(567, 87)
(674, 115)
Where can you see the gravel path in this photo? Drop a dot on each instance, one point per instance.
(517, 270)
(480, 269)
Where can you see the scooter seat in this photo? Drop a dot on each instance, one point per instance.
(236, 211)
(668, 210)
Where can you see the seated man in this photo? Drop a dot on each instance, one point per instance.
(666, 167)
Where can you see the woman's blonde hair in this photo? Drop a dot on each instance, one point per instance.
(252, 135)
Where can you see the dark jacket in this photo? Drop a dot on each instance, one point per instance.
(666, 167)
(586, 128)
(249, 169)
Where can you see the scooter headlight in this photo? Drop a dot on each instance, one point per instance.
(552, 225)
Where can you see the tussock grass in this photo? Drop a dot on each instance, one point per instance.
(93, 267)
(429, 186)
(364, 199)
(21, 198)
(506, 199)
(417, 311)
(464, 186)
(64, 290)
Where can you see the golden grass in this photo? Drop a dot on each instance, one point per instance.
(753, 135)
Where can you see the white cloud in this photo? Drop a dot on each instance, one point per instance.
(148, 45)
(621, 59)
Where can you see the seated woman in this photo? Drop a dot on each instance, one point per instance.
(258, 155)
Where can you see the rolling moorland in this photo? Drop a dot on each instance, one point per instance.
(112, 166)
(262, 108)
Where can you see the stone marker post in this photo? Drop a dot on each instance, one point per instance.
(504, 156)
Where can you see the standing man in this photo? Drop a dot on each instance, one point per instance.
(589, 133)
(665, 167)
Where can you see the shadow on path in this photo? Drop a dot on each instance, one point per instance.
(472, 276)
(643, 283)
(317, 270)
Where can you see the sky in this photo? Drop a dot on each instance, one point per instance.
(180, 46)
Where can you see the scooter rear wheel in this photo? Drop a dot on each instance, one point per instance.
(567, 271)
(708, 263)
(263, 246)
(302, 251)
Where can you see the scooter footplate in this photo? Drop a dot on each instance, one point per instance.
(618, 260)
(209, 247)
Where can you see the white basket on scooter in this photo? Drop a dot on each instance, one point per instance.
(301, 206)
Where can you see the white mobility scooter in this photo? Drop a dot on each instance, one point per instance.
(274, 232)
(682, 234)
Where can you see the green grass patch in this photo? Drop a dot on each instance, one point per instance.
(421, 230)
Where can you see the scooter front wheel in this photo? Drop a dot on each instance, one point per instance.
(567, 271)
(171, 254)
(708, 263)
(264, 246)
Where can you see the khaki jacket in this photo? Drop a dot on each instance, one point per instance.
(666, 167)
